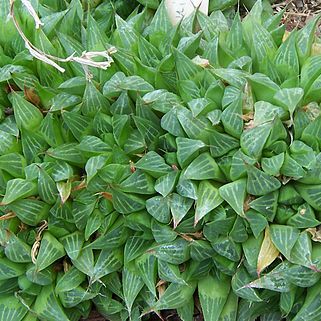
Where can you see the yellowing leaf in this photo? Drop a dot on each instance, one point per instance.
(268, 252)
(64, 189)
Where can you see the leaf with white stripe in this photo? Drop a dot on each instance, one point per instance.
(204, 167)
(234, 194)
(26, 114)
(221, 144)
(94, 164)
(253, 140)
(127, 203)
(30, 211)
(11, 308)
(147, 268)
(213, 293)
(48, 307)
(272, 165)
(93, 101)
(14, 164)
(72, 244)
(159, 208)
(18, 188)
(259, 183)
(93, 145)
(135, 83)
(78, 124)
(50, 251)
(67, 152)
(179, 207)
(301, 252)
(46, 187)
(284, 237)
(208, 198)
(153, 164)
(70, 280)
(187, 149)
(132, 284)
(192, 126)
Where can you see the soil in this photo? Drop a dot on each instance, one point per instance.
(297, 14)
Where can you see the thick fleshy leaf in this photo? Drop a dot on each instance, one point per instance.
(284, 237)
(18, 188)
(50, 250)
(260, 183)
(268, 253)
(213, 293)
(208, 198)
(203, 167)
(234, 194)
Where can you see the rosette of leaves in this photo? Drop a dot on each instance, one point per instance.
(190, 167)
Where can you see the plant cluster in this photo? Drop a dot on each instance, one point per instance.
(184, 174)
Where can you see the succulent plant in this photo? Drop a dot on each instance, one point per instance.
(157, 163)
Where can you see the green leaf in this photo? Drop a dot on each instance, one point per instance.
(179, 206)
(14, 164)
(18, 188)
(284, 238)
(50, 251)
(132, 284)
(26, 114)
(208, 198)
(310, 193)
(67, 152)
(286, 59)
(266, 205)
(239, 281)
(135, 83)
(260, 183)
(70, 280)
(159, 208)
(175, 296)
(93, 101)
(176, 252)
(187, 150)
(305, 38)
(272, 165)
(72, 244)
(78, 124)
(232, 118)
(234, 194)
(135, 247)
(46, 187)
(48, 307)
(276, 280)
(238, 166)
(213, 293)
(192, 126)
(221, 144)
(147, 268)
(10, 269)
(30, 211)
(11, 309)
(153, 164)
(253, 140)
(227, 248)
(165, 184)
(203, 167)
(257, 221)
(127, 203)
(139, 183)
(301, 252)
(311, 305)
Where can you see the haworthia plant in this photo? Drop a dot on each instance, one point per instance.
(184, 176)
